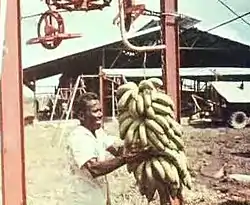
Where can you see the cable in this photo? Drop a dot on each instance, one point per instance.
(229, 21)
(230, 9)
(39, 14)
(144, 64)
(31, 16)
(220, 25)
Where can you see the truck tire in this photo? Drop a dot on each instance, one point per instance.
(107, 1)
(238, 120)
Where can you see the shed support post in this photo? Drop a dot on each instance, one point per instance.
(101, 90)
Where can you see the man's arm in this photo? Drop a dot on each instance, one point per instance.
(99, 168)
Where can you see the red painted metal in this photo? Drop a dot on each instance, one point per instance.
(76, 5)
(171, 78)
(12, 133)
(53, 31)
(132, 11)
(170, 33)
(52, 42)
(54, 28)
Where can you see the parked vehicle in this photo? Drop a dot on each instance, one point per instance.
(224, 101)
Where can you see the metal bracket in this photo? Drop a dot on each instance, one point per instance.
(52, 42)
(160, 14)
(76, 5)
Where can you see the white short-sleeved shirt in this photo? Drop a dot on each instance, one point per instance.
(83, 146)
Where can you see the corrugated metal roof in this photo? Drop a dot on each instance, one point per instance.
(212, 71)
(184, 72)
(134, 72)
(232, 92)
(213, 13)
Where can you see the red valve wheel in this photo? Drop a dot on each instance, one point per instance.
(52, 33)
(53, 26)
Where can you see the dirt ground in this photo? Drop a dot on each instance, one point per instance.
(212, 150)
(218, 150)
(208, 149)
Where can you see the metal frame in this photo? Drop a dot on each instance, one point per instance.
(13, 163)
(171, 53)
(12, 139)
(170, 48)
(102, 92)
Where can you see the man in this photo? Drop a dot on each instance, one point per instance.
(92, 150)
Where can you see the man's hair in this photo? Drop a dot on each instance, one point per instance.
(81, 103)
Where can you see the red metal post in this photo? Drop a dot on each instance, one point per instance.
(12, 133)
(170, 34)
(171, 64)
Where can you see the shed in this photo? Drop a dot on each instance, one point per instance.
(203, 73)
(233, 92)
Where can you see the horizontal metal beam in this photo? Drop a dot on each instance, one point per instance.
(187, 48)
(184, 72)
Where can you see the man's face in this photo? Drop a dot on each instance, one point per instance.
(93, 117)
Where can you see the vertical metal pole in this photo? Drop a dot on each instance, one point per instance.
(171, 78)
(12, 139)
(35, 104)
(170, 36)
(72, 95)
(113, 98)
(70, 91)
(103, 58)
(101, 90)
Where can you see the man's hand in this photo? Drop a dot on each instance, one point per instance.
(120, 151)
(116, 151)
(136, 156)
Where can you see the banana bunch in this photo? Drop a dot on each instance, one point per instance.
(147, 121)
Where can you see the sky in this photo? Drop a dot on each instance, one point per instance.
(210, 12)
(97, 28)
